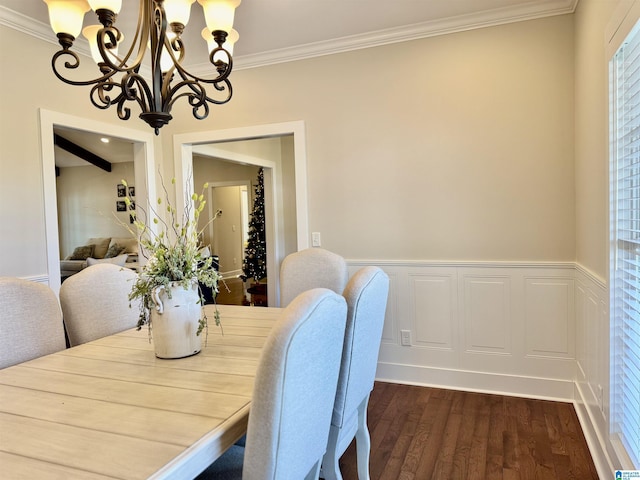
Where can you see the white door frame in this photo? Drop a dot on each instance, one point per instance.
(183, 160)
(143, 164)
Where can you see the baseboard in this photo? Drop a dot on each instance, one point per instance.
(501, 384)
(596, 444)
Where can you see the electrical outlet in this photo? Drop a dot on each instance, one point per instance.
(405, 338)
(315, 239)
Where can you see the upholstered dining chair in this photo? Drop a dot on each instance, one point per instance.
(366, 295)
(31, 324)
(95, 302)
(311, 268)
(293, 394)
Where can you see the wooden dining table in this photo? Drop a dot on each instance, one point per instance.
(110, 409)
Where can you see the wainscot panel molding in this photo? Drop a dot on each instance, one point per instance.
(592, 393)
(500, 327)
(537, 330)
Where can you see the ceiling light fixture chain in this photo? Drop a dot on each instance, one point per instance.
(121, 80)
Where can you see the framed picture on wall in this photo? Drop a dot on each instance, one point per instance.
(122, 190)
(132, 191)
(121, 206)
(132, 206)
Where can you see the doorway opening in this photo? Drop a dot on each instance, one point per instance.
(280, 150)
(143, 166)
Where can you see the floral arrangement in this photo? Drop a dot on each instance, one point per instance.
(174, 254)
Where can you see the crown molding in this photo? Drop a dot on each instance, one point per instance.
(489, 18)
(42, 31)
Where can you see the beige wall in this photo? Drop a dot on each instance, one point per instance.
(591, 127)
(453, 147)
(87, 204)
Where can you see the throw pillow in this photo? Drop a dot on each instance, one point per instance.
(119, 260)
(114, 250)
(129, 243)
(101, 245)
(82, 253)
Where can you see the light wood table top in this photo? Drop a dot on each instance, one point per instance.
(111, 409)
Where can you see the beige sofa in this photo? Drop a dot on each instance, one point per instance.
(119, 250)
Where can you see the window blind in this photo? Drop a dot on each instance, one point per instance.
(625, 235)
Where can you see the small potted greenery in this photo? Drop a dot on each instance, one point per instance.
(172, 276)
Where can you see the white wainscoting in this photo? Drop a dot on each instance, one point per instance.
(591, 396)
(536, 330)
(495, 327)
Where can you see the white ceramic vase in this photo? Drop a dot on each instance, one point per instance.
(174, 321)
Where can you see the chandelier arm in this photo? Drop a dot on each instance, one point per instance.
(74, 65)
(221, 88)
(224, 69)
(142, 94)
(228, 65)
(198, 98)
(201, 116)
(102, 100)
(139, 40)
(197, 95)
(107, 37)
(197, 102)
(196, 84)
(124, 113)
(176, 45)
(171, 45)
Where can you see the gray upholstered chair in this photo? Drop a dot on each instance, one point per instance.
(366, 295)
(31, 321)
(311, 268)
(293, 394)
(95, 302)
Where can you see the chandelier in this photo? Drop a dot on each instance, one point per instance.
(158, 32)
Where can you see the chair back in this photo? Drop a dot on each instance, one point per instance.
(295, 388)
(95, 302)
(366, 295)
(311, 268)
(31, 321)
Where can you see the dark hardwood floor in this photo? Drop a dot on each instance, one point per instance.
(420, 433)
(231, 292)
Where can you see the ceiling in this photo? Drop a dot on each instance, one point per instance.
(275, 31)
(115, 151)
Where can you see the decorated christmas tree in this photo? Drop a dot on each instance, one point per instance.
(255, 260)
